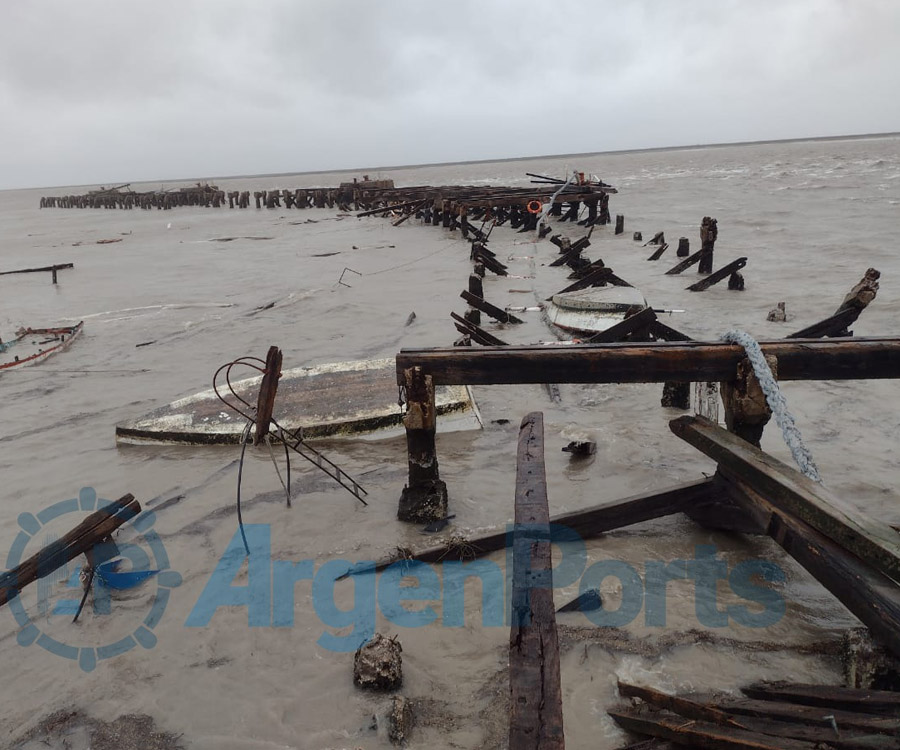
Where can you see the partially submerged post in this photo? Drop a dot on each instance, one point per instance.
(709, 231)
(424, 499)
(536, 718)
(746, 409)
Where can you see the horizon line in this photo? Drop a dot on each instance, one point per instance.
(423, 165)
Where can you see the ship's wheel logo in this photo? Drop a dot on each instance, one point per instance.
(60, 593)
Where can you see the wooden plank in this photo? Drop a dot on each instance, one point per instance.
(489, 309)
(587, 523)
(685, 264)
(596, 278)
(715, 278)
(535, 717)
(871, 596)
(387, 207)
(268, 389)
(658, 254)
(792, 712)
(681, 361)
(665, 333)
(886, 702)
(620, 330)
(483, 337)
(90, 532)
(490, 263)
(831, 326)
(789, 491)
(691, 708)
(670, 726)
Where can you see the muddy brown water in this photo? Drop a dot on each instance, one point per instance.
(810, 216)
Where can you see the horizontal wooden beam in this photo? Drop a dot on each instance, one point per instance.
(789, 491)
(587, 523)
(677, 361)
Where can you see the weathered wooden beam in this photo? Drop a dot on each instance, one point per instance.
(791, 492)
(777, 710)
(831, 326)
(658, 254)
(691, 708)
(884, 702)
(424, 498)
(633, 323)
(588, 523)
(685, 361)
(268, 389)
(486, 307)
(535, 715)
(871, 596)
(685, 264)
(670, 726)
(598, 277)
(715, 278)
(84, 537)
(388, 207)
(492, 264)
(477, 333)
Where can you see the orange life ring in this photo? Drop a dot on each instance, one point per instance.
(534, 207)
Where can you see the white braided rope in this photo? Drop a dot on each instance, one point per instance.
(777, 402)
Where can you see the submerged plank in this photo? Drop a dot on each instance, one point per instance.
(536, 718)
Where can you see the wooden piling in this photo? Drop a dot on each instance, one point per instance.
(620, 223)
(709, 231)
(684, 247)
(424, 498)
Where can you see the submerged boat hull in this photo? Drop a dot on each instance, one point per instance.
(344, 399)
(593, 310)
(34, 345)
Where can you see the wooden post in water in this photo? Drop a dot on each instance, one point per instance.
(746, 409)
(684, 247)
(424, 498)
(535, 706)
(620, 223)
(709, 231)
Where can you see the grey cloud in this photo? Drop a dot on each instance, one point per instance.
(100, 90)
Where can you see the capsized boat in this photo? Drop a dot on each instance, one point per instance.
(342, 399)
(33, 345)
(594, 310)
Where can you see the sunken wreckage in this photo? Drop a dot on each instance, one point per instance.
(855, 558)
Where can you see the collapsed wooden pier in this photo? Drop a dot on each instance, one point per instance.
(856, 558)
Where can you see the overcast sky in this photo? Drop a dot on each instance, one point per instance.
(95, 92)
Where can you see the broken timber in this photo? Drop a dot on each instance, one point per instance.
(715, 278)
(89, 533)
(791, 492)
(633, 324)
(587, 523)
(268, 389)
(684, 361)
(486, 307)
(481, 336)
(536, 718)
(685, 264)
(598, 277)
(54, 269)
(658, 254)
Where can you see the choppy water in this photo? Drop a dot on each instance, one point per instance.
(810, 216)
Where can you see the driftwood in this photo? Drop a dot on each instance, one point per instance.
(685, 361)
(716, 277)
(489, 309)
(80, 540)
(685, 264)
